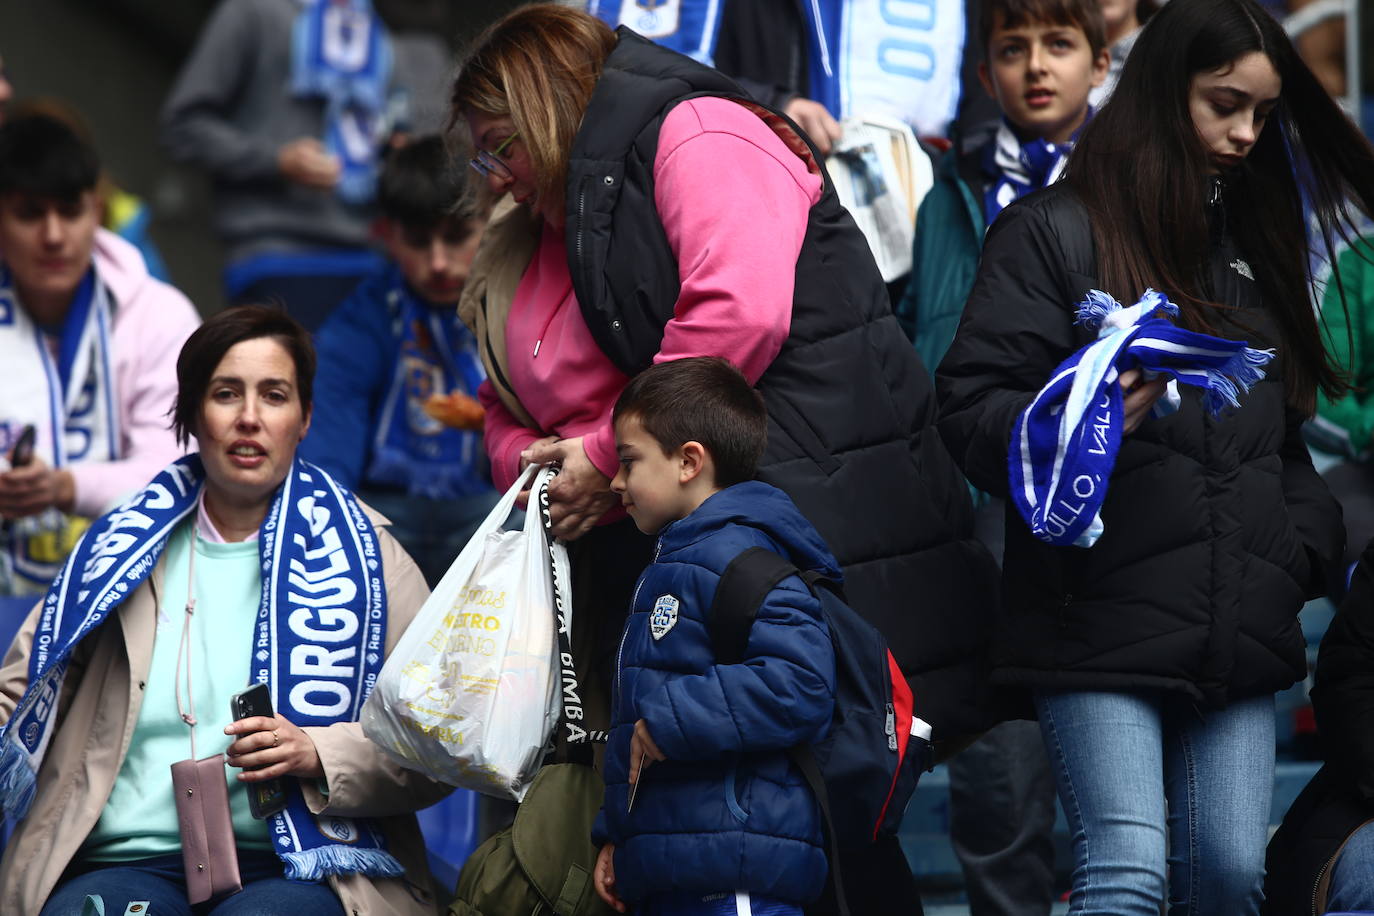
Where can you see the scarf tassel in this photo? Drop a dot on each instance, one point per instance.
(1241, 371)
(1098, 306)
(322, 861)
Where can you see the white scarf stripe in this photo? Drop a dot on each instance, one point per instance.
(1064, 443)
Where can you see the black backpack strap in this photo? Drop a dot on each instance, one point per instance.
(804, 760)
(739, 593)
(741, 589)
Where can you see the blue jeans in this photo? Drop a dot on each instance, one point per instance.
(162, 884)
(1352, 878)
(1142, 773)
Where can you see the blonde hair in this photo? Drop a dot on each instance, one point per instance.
(538, 66)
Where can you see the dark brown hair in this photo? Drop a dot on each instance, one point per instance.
(700, 399)
(203, 350)
(1142, 171)
(1085, 15)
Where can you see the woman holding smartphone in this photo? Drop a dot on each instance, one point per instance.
(238, 565)
(1154, 655)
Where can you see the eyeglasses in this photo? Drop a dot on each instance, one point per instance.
(487, 163)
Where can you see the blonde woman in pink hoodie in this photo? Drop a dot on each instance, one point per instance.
(659, 213)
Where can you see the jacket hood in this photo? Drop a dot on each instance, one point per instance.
(755, 505)
(120, 265)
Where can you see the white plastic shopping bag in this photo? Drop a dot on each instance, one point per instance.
(470, 693)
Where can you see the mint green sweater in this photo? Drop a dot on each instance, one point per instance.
(139, 820)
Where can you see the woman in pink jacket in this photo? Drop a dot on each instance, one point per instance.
(661, 214)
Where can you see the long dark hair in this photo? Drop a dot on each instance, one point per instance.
(1141, 170)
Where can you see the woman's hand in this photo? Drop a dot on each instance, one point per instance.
(274, 744)
(35, 487)
(1139, 398)
(580, 495)
(536, 445)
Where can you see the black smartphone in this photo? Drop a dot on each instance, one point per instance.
(264, 798)
(22, 454)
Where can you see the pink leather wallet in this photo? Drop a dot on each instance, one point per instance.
(207, 833)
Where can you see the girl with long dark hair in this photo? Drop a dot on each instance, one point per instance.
(1154, 655)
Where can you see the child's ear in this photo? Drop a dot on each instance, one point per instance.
(693, 461)
(1101, 65)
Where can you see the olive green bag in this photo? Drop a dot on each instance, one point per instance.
(542, 864)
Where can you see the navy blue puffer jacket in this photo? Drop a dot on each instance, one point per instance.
(726, 811)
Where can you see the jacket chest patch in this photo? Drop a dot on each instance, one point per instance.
(663, 617)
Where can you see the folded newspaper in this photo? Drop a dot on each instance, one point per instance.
(881, 174)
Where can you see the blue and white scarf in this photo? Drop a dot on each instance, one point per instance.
(435, 354)
(1064, 445)
(68, 393)
(1017, 168)
(319, 640)
(689, 27)
(340, 52)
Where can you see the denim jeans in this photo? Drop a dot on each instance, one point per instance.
(161, 883)
(1352, 878)
(1142, 773)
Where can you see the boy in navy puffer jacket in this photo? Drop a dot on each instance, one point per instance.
(722, 822)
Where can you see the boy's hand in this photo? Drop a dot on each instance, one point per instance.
(642, 747)
(603, 878)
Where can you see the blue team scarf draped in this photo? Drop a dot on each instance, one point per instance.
(1064, 445)
(318, 643)
(1018, 168)
(340, 52)
(435, 353)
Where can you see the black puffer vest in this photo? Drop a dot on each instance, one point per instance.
(851, 410)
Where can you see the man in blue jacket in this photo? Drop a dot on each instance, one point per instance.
(704, 813)
(397, 367)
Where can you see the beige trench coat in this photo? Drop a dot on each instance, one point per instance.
(99, 707)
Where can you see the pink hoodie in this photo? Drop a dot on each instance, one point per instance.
(734, 203)
(151, 322)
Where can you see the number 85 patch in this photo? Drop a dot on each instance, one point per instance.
(663, 617)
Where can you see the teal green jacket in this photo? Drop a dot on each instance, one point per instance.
(944, 259)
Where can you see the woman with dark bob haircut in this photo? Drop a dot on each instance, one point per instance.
(237, 565)
(1154, 655)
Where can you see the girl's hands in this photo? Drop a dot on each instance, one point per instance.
(578, 496)
(274, 744)
(1138, 398)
